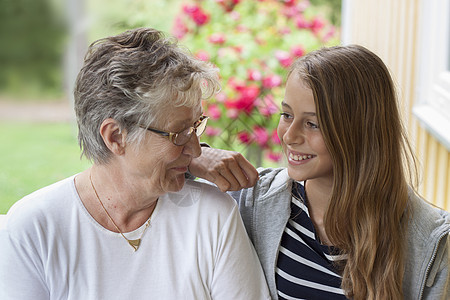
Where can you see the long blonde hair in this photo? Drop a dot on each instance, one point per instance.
(356, 105)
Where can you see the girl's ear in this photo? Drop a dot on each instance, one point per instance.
(112, 136)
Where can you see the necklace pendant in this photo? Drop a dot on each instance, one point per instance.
(135, 244)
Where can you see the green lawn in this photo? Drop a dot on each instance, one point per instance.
(33, 155)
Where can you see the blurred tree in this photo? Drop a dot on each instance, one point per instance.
(31, 38)
(253, 43)
(334, 8)
(109, 17)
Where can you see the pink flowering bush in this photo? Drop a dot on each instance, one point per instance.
(253, 43)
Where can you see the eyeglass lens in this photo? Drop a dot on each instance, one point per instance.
(184, 136)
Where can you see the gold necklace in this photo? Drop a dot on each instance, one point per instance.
(133, 243)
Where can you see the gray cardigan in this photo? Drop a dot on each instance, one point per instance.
(265, 210)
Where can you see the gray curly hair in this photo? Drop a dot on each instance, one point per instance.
(131, 78)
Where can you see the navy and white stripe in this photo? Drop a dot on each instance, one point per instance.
(304, 267)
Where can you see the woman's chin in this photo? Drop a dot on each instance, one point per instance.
(177, 183)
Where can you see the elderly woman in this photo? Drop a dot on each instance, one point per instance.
(130, 226)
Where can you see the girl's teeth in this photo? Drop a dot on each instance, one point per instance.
(299, 157)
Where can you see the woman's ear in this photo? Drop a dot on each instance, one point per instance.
(113, 136)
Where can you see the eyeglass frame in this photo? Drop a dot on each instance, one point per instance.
(172, 136)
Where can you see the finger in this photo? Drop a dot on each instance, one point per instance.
(249, 171)
(229, 176)
(221, 183)
(235, 175)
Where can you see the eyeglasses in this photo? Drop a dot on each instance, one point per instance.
(183, 137)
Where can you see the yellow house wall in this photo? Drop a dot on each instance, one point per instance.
(390, 29)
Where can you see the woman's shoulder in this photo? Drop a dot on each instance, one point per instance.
(40, 204)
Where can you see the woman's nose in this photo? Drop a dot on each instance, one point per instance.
(193, 147)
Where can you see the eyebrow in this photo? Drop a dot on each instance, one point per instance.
(284, 104)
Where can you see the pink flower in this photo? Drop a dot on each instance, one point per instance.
(179, 29)
(214, 112)
(203, 55)
(267, 106)
(260, 135)
(237, 49)
(285, 30)
(232, 113)
(190, 9)
(246, 99)
(236, 84)
(284, 58)
(297, 51)
(302, 23)
(289, 11)
(254, 75)
(242, 28)
(329, 34)
(317, 24)
(272, 81)
(217, 38)
(275, 138)
(200, 18)
(250, 92)
(197, 14)
(235, 16)
(289, 2)
(221, 97)
(276, 157)
(303, 5)
(244, 137)
(212, 131)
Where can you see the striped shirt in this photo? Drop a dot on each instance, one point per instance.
(304, 267)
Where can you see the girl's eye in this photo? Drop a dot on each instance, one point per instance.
(285, 115)
(312, 125)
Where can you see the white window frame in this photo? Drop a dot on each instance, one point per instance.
(432, 102)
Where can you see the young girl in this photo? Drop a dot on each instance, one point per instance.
(342, 220)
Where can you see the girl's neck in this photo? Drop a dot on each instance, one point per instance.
(319, 194)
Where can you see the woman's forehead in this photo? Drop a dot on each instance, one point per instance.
(181, 116)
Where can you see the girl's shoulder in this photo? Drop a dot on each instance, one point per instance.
(272, 184)
(427, 246)
(272, 180)
(426, 219)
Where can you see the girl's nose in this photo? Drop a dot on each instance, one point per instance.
(293, 135)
